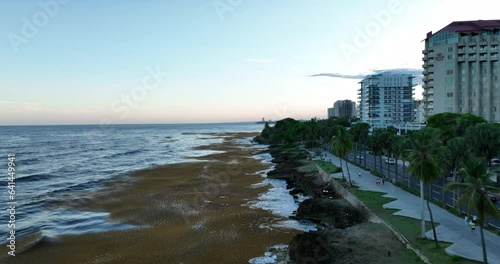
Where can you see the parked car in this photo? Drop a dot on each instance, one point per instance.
(359, 157)
(493, 198)
(495, 162)
(390, 161)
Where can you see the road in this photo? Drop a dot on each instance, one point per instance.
(399, 173)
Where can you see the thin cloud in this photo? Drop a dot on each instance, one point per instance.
(338, 75)
(415, 72)
(259, 60)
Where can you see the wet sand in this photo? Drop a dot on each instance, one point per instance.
(185, 213)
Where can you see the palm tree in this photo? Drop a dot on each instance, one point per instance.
(342, 144)
(359, 132)
(475, 189)
(388, 139)
(484, 140)
(335, 149)
(313, 131)
(455, 152)
(405, 146)
(376, 143)
(424, 156)
(397, 148)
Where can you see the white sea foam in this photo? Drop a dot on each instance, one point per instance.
(270, 256)
(279, 201)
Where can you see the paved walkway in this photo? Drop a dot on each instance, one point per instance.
(451, 228)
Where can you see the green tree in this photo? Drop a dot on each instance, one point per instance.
(455, 152)
(406, 142)
(376, 143)
(484, 140)
(342, 144)
(425, 157)
(312, 132)
(465, 121)
(397, 149)
(475, 189)
(453, 124)
(360, 132)
(387, 138)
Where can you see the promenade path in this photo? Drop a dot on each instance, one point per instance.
(451, 228)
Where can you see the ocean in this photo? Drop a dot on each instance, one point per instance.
(57, 163)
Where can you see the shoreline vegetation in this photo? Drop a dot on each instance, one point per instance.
(346, 233)
(338, 244)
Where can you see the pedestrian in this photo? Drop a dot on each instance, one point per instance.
(474, 218)
(466, 220)
(359, 174)
(473, 227)
(376, 181)
(383, 181)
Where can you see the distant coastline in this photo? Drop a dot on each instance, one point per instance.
(263, 121)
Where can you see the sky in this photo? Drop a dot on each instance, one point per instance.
(192, 61)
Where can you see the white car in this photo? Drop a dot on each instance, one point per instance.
(390, 161)
(495, 162)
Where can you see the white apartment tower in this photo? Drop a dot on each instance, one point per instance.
(461, 69)
(386, 99)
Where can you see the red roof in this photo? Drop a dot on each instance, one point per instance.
(473, 26)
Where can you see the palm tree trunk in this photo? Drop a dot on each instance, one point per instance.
(341, 169)
(432, 219)
(358, 160)
(422, 212)
(483, 243)
(388, 169)
(454, 191)
(364, 154)
(396, 169)
(348, 173)
(375, 160)
(381, 170)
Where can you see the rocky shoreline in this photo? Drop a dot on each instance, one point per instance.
(344, 232)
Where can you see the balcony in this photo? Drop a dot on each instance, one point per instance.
(461, 51)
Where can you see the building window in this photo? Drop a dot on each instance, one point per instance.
(449, 72)
(449, 94)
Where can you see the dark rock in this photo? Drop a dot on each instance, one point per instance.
(335, 213)
(314, 247)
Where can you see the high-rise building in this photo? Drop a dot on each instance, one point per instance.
(343, 108)
(461, 69)
(386, 98)
(331, 112)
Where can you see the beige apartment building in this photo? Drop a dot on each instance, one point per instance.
(461, 69)
(343, 108)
